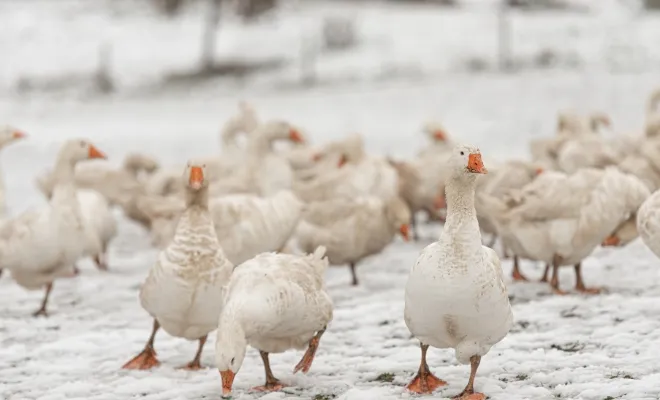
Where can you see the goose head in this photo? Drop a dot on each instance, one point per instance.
(76, 150)
(398, 214)
(465, 161)
(9, 135)
(229, 353)
(436, 132)
(195, 176)
(281, 130)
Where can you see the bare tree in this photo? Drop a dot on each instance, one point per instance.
(209, 35)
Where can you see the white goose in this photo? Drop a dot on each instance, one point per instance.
(183, 292)
(99, 222)
(274, 302)
(648, 224)
(60, 225)
(352, 229)
(455, 296)
(561, 219)
(245, 225)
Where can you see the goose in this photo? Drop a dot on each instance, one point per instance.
(183, 291)
(647, 224)
(246, 225)
(455, 296)
(59, 224)
(561, 220)
(352, 229)
(273, 302)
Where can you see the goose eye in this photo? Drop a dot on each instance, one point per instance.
(232, 361)
(203, 165)
(462, 153)
(82, 143)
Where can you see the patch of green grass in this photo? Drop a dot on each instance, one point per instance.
(324, 396)
(621, 375)
(385, 377)
(571, 347)
(522, 377)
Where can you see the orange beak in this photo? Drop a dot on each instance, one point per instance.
(439, 202)
(18, 135)
(611, 241)
(196, 178)
(539, 171)
(95, 153)
(227, 381)
(475, 164)
(295, 136)
(440, 135)
(343, 160)
(405, 231)
(317, 156)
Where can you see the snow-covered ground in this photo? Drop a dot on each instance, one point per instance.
(572, 347)
(609, 341)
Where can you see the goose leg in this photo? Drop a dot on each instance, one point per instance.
(147, 358)
(1, 271)
(41, 312)
(554, 281)
(579, 283)
(353, 274)
(413, 225)
(272, 383)
(468, 393)
(306, 362)
(196, 364)
(545, 274)
(516, 274)
(100, 264)
(424, 381)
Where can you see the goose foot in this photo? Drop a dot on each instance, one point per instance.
(270, 386)
(145, 360)
(468, 393)
(586, 290)
(470, 396)
(516, 274)
(306, 362)
(195, 364)
(425, 382)
(100, 264)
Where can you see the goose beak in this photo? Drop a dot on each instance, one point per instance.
(439, 202)
(475, 165)
(295, 136)
(405, 231)
(539, 171)
(18, 135)
(95, 153)
(611, 241)
(196, 178)
(317, 156)
(439, 135)
(227, 381)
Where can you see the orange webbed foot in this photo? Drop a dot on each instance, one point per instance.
(145, 360)
(270, 387)
(425, 383)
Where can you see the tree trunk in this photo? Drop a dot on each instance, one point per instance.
(652, 4)
(209, 35)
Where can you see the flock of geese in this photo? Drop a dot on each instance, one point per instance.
(245, 237)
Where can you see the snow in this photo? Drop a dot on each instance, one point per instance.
(571, 347)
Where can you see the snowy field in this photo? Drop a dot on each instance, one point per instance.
(601, 347)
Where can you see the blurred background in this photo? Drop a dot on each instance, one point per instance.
(165, 74)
